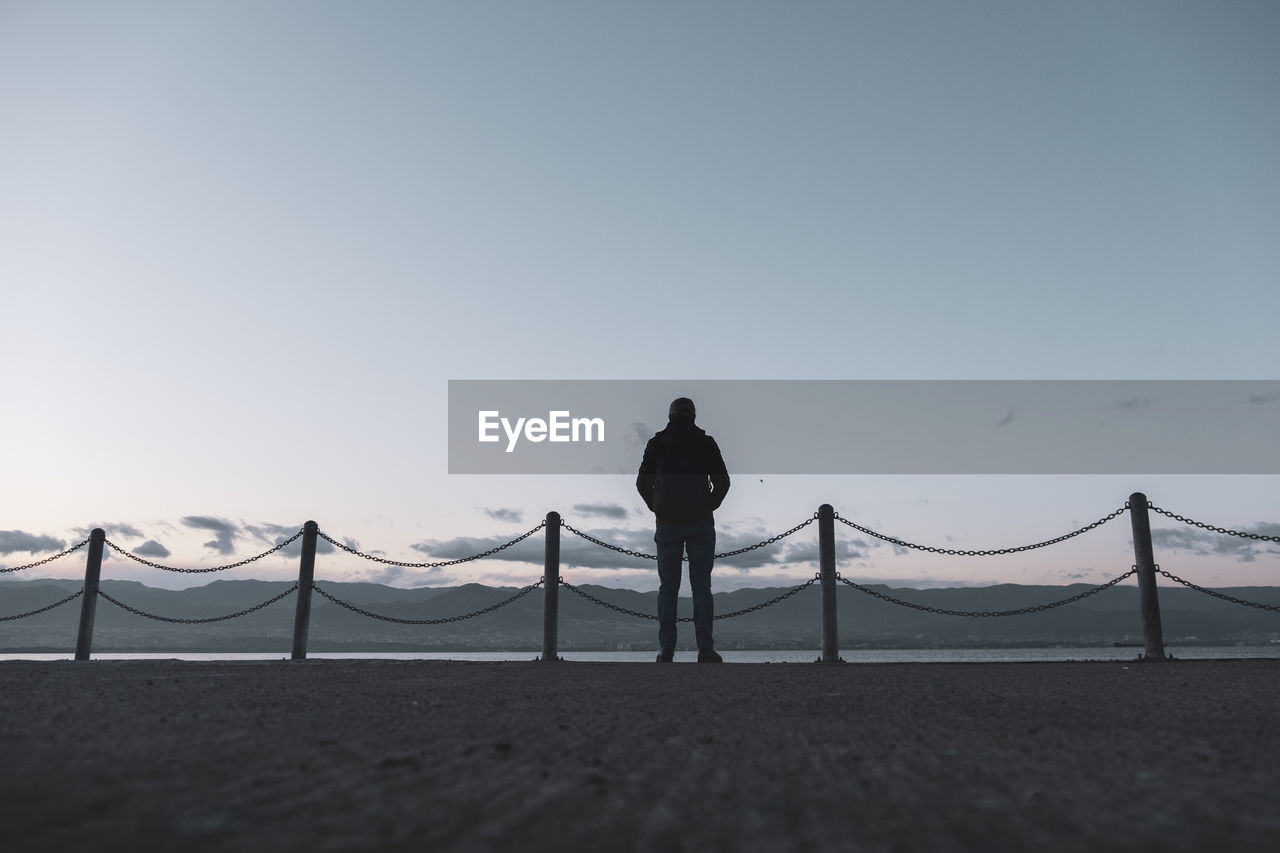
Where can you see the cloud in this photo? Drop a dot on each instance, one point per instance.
(1006, 420)
(1261, 399)
(1207, 543)
(12, 541)
(274, 534)
(638, 434)
(1134, 402)
(463, 546)
(767, 556)
(151, 548)
(807, 552)
(386, 574)
(504, 514)
(390, 575)
(877, 542)
(614, 511)
(116, 528)
(225, 533)
(576, 552)
(371, 571)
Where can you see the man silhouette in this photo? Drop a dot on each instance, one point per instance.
(683, 480)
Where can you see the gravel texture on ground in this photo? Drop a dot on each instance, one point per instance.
(450, 756)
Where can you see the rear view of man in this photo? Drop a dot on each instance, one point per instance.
(683, 480)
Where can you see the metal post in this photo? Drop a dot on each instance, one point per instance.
(1144, 559)
(89, 599)
(827, 564)
(551, 588)
(306, 576)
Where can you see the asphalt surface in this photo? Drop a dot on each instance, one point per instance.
(451, 756)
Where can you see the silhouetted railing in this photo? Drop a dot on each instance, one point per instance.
(1137, 506)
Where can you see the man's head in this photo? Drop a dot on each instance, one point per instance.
(682, 409)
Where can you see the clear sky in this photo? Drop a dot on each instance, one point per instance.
(245, 245)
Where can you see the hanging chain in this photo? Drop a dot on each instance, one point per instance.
(521, 594)
(1189, 585)
(564, 583)
(70, 597)
(630, 553)
(762, 605)
(1204, 526)
(984, 553)
(144, 562)
(987, 613)
(810, 520)
(437, 565)
(70, 550)
(589, 597)
(642, 555)
(176, 621)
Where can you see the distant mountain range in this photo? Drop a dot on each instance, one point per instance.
(1110, 617)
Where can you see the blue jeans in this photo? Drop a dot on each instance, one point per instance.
(699, 537)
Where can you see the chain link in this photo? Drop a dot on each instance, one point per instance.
(984, 553)
(521, 594)
(387, 562)
(1189, 585)
(642, 555)
(564, 583)
(1204, 526)
(70, 550)
(70, 597)
(987, 613)
(762, 605)
(145, 562)
(810, 520)
(630, 553)
(176, 621)
(589, 597)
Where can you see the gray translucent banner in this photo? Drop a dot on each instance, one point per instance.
(875, 426)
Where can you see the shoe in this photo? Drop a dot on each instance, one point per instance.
(709, 656)
(666, 655)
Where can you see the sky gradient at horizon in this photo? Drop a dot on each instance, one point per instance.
(248, 244)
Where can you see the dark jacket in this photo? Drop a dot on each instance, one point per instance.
(714, 476)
